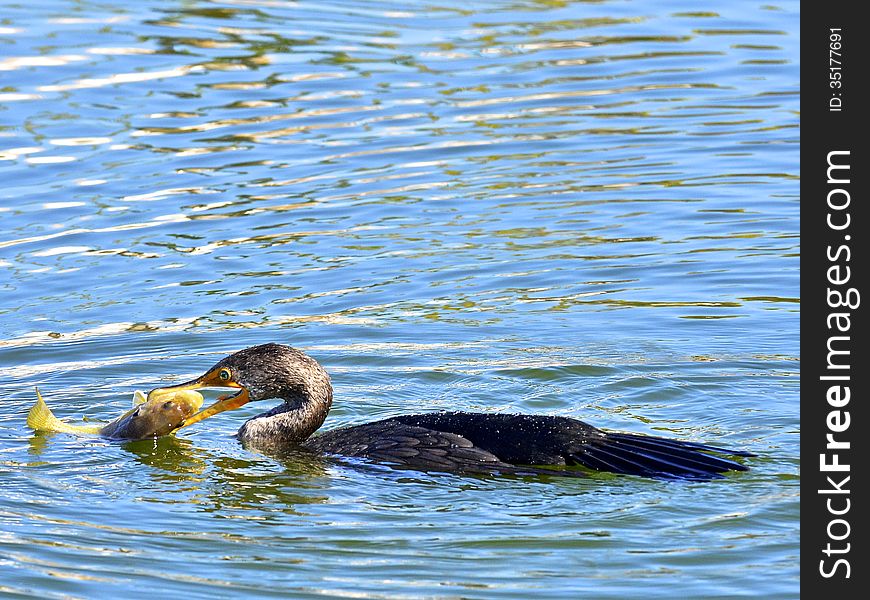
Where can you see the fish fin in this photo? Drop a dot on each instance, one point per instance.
(139, 398)
(40, 418)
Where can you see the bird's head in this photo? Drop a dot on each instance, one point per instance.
(259, 373)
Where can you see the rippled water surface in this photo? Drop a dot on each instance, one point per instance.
(575, 208)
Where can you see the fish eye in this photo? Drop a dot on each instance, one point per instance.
(225, 374)
(167, 405)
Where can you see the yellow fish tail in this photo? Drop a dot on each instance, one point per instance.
(40, 418)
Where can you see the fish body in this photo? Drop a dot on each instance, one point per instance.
(161, 415)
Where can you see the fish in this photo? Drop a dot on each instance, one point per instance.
(160, 415)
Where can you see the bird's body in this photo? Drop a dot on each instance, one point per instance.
(509, 443)
(462, 442)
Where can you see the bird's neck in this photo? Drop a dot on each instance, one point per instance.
(291, 422)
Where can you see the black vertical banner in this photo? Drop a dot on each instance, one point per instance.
(835, 47)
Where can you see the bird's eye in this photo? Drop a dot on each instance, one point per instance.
(225, 374)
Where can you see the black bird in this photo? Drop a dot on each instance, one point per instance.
(461, 442)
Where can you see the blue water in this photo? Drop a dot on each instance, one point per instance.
(586, 209)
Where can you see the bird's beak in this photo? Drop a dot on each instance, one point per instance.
(209, 380)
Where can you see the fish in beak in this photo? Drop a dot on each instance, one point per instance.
(217, 378)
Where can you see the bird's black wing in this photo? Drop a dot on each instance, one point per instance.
(555, 440)
(396, 443)
(521, 444)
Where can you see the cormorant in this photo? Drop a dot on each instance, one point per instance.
(461, 442)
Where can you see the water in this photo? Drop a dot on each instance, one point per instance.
(584, 209)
